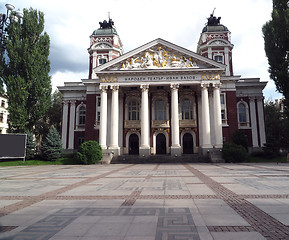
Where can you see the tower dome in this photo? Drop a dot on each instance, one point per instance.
(105, 45)
(213, 25)
(215, 43)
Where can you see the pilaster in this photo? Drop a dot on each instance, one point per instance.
(71, 125)
(64, 124)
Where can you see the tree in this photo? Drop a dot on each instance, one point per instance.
(276, 38)
(51, 146)
(26, 69)
(30, 146)
(52, 117)
(277, 128)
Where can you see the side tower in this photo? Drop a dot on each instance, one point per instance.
(215, 43)
(105, 45)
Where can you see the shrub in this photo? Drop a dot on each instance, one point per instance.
(89, 152)
(30, 146)
(51, 146)
(234, 153)
(240, 138)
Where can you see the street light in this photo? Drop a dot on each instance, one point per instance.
(5, 20)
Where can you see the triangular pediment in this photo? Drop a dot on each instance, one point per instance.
(161, 55)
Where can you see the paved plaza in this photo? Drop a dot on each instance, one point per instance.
(145, 202)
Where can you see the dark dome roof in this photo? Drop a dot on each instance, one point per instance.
(105, 31)
(216, 28)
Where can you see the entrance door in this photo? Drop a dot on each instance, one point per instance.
(133, 144)
(161, 144)
(188, 146)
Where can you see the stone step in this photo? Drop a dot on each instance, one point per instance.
(135, 159)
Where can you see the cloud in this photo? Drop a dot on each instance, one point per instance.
(70, 25)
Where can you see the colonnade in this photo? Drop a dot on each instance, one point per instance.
(144, 149)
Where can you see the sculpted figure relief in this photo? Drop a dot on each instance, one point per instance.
(158, 58)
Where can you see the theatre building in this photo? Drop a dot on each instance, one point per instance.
(161, 98)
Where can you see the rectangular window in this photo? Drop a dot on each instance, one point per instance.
(98, 101)
(1, 117)
(218, 58)
(3, 103)
(222, 97)
(101, 61)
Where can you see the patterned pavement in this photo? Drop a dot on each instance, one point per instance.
(145, 202)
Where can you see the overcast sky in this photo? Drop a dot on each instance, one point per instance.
(70, 24)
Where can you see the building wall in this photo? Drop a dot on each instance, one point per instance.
(4, 115)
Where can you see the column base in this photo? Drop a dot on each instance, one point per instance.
(176, 151)
(144, 151)
(114, 150)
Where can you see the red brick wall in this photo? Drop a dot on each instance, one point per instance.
(90, 132)
(231, 102)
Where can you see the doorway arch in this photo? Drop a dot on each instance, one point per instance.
(188, 144)
(133, 144)
(161, 146)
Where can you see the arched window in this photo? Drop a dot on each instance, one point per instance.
(243, 114)
(187, 109)
(160, 110)
(82, 113)
(133, 110)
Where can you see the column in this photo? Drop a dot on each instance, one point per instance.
(64, 124)
(145, 145)
(253, 122)
(103, 117)
(71, 125)
(175, 129)
(218, 116)
(206, 138)
(114, 121)
(260, 106)
(94, 64)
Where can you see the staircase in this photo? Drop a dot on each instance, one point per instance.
(136, 159)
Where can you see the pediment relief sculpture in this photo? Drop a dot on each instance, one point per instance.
(158, 58)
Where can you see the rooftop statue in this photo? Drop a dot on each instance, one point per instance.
(105, 24)
(213, 21)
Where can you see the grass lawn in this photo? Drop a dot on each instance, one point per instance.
(17, 162)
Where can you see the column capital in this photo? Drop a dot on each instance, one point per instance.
(217, 85)
(175, 86)
(252, 99)
(72, 102)
(205, 85)
(260, 98)
(103, 88)
(114, 87)
(65, 102)
(144, 87)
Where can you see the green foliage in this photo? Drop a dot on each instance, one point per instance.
(277, 129)
(234, 153)
(276, 38)
(52, 117)
(26, 69)
(30, 146)
(240, 138)
(51, 146)
(89, 152)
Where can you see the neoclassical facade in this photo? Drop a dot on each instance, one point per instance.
(161, 98)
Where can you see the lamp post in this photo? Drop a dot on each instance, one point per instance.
(5, 20)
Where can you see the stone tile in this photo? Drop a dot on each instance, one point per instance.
(237, 236)
(75, 230)
(142, 229)
(224, 220)
(108, 230)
